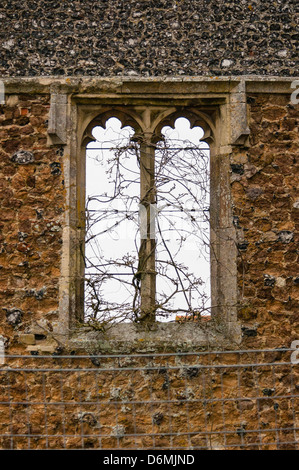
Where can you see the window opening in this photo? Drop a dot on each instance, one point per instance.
(147, 244)
(183, 225)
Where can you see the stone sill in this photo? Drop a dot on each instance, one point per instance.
(162, 337)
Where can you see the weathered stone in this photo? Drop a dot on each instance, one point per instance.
(55, 168)
(243, 245)
(22, 157)
(22, 236)
(269, 280)
(118, 431)
(268, 392)
(87, 418)
(245, 404)
(158, 418)
(249, 331)
(13, 316)
(285, 236)
(58, 118)
(237, 168)
(27, 339)
(150, 39)
(47, 348)
(254, 193)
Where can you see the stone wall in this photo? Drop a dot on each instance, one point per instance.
(32, 206)
(264, 181)
(183, 40)
(148, 38)
(197, 401)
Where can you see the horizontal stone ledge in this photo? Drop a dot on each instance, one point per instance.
(128, 337)
(166, 84)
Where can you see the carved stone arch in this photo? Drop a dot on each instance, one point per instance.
(127, 117)
(195, 117)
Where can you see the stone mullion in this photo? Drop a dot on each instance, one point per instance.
(147, 251)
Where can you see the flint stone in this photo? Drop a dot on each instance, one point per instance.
(22, 157)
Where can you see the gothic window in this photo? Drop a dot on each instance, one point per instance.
(146, 252)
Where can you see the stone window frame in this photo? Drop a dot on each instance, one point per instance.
(221, 110)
